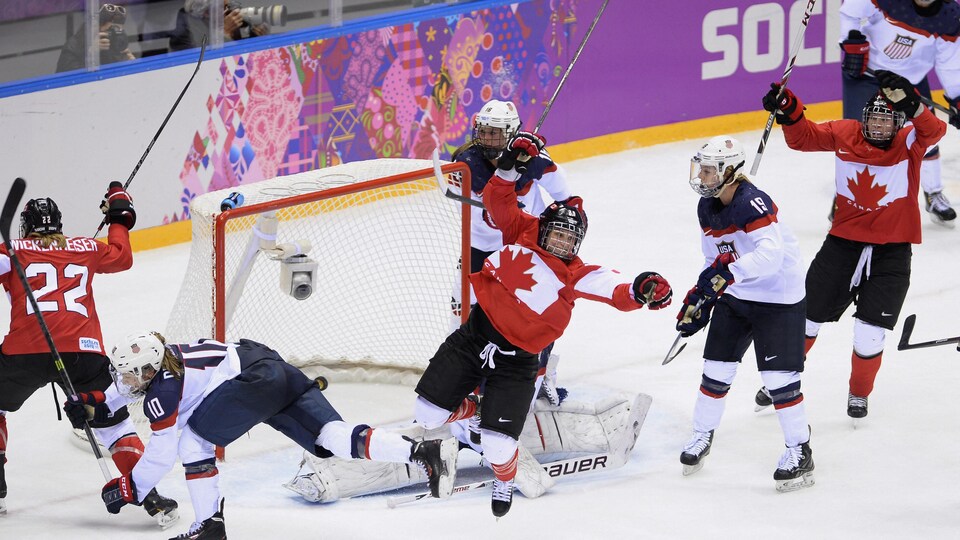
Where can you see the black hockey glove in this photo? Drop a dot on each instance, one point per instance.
(717, 277)
(954, 111)
(86, 407)
(521, 148)
(117, 205)
(901, 93)
(118, 493)
(694, 315)
(788, 106)
(652, 290)
(856, 54)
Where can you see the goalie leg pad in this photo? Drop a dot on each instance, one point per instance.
(532, 479)
(334, 478)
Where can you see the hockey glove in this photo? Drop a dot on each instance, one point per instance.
(788, 106)
(86, 407)
(117, 205)
(652, 290)
(717, 277)
(118, 493)
(520, 149)
(856, 54)
(901, 93)
(692, 319)
(954, 110)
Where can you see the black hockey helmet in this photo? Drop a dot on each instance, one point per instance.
(40, 216)
(880, 122)
(570, 220)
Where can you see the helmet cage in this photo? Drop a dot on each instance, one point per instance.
(880, 122)
(562, 229)
(495, 124)
(40, 216)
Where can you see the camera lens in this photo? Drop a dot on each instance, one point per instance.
(301, 286)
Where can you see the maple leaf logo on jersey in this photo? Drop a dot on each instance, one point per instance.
(514, 271)
(866, 194)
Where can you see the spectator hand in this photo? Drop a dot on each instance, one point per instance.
(856, 54)
(104, 41)
(788, 106)
(652, 290)
(232, 21)
(261, 29)
(118, 206)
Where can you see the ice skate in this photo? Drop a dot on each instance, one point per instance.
(763, 399)
(939, 209)
(439, 460)
(697, 448)
(162, 509)
(795, 470)
(502, 497)
(211, 528)
(856, 408)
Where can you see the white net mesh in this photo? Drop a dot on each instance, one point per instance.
(387, 259)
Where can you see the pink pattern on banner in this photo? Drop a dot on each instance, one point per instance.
(398, 93)
(273, 109)
(461, 55)
(379, 122)
(368, 52)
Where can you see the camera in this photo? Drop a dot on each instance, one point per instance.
(297, 276)
(118, 40)
(275, 15)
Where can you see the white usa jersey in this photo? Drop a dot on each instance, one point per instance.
(768, 266)
(906, 42)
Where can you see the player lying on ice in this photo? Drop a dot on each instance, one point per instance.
(207, 394)
(525, 296)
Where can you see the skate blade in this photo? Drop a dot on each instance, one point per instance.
(758, 408)
(690, 469)
(449, 449)
(856, 422)
(794, 484)
(166, 519)
(3, 507)
(948, 224)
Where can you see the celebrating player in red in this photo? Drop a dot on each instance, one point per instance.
(866, 256)
(525, 297)
(752, 281)
(60, 270)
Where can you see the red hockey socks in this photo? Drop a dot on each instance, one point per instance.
(466, 410)
(126, 452)
(808, 342)
(863, 373)
(508, 470)
(3, 437)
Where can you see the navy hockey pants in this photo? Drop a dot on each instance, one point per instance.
(267, 390)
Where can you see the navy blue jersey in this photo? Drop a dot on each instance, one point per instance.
(481, 170)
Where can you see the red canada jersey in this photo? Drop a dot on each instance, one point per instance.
(877, 188)
(528, 293)
(62, 283)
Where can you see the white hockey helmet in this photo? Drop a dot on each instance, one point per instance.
(494, 125)
(716, 164)
(135, 361)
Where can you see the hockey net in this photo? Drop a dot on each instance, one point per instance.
(387, 246)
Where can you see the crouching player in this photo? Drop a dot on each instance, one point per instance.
(207, 394)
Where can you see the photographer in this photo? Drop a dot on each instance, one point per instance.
(114, 44)
(193, 22)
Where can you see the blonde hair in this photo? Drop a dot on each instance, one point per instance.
(170, 362)
(46, 240)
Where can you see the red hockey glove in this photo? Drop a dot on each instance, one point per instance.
(789, 107)
(520, 149)
(118, 206)
(119, 492)
(652, 290)
(716, 277)
(84, 407)
(856, 54)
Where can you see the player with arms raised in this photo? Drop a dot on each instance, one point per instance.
(753, 279)
(525, 297)
(60, 270)
(866, 256)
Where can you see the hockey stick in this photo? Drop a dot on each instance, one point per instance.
(203, 49)
(6, 218)
(928, 102)
(905, 344)
(546, 109)
(797, 43)
(674, 351)
(556, 469)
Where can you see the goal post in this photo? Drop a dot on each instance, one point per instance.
(348, 271)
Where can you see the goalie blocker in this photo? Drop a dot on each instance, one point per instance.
(602, 432)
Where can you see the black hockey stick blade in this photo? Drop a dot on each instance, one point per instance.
(10, 208)
(908, 325)
(674, 350)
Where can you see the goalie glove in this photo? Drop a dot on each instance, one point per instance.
(86, 407)
(118, 493)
